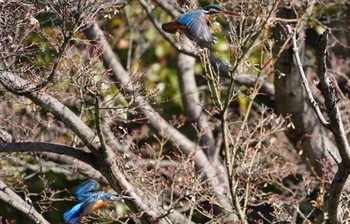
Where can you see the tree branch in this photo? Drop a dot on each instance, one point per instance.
(13, 200)
(304, 79)
(328, 91)
(249, 80)
(48, 147)
(335, 123)
(58, 153)
(308, 135)
(191, 102)
(50, 77)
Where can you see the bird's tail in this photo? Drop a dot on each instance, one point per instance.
(73, 215)
(170, 27)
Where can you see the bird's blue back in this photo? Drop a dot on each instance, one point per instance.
(187, 18)
(197, 27)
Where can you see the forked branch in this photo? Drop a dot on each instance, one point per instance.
(335, 123)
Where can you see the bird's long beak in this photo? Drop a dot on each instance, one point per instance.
(230, 13)
(127, 197)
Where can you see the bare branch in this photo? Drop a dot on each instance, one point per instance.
(12, 83)
(304, 79)
(13, 200)
(62, 154)
(75, 165)
(335, 124)
(308, 135)
(191, 102)
(50, 77)
(48, 147)
(98, 122)
(337, 127)
(249, 80)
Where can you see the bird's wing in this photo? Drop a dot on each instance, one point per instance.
(73, 215)
(197, 27)
(170, 27)
(86, 190)
(187, 18)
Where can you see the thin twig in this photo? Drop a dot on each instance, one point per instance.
(98, 123)
(314, 104)
(51, 76)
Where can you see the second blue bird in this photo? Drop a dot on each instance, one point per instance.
(90, 200)
(195, 24)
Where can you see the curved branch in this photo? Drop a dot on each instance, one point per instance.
(308, 136)
(76, 165)
(50, 77)
(335, 123)
(249, 80)
(48, 147)
(16, 202)
(304, 79)
(12, 83)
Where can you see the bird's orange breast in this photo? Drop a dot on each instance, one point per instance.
(99, 204)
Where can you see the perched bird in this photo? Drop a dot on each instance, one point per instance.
(195, 24)
(90, 200)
